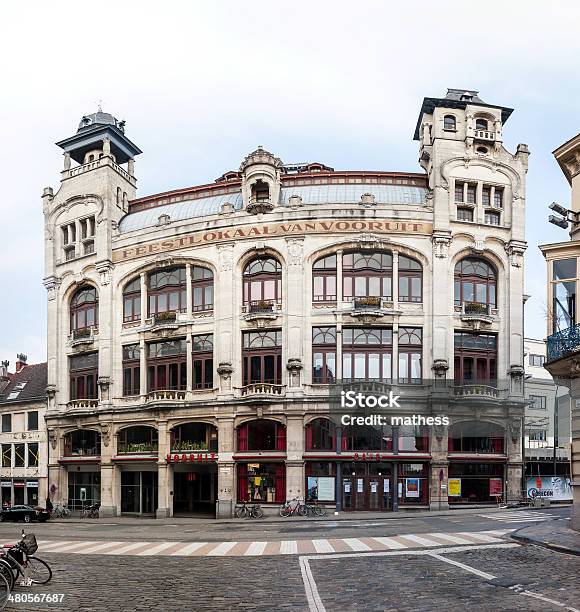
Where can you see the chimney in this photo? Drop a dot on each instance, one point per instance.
(20, 362)
(4, 370)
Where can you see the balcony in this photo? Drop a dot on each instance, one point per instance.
(261, 312)
(137, 448)
(164, 321)
(166, 394)
(563, 343)
(82, 404)
(476, 313)
(478, 392)
(367, 308)
(257, 206)
(84, 335)
(261, 389)
(484, 135)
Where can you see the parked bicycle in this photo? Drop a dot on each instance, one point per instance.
(313, 508)
(244, 511)
(294, 506)
(19, 559)
(90, 511)
(60, 511)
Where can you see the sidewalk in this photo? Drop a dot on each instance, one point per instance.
(556, 535)
(274, 519)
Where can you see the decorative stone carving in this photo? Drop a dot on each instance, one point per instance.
(51, 395)
(367, 200)
(104, 383)
(106, 433)
(53, 437)
(163, 219)
(105, 269)
(439, 431)
(225, 370)
(440, 367)
(441, 243)
(227, 208)
(295, 250)
(515, 250)
(478, 246)
(226, 256)
(371, 241)
(51, 284)
(295, 201)
(294, 366)
(514, 429)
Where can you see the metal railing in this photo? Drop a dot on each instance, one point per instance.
(476, 308)
(367, 303)
(562, 343)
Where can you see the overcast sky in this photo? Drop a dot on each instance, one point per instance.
(202, 84)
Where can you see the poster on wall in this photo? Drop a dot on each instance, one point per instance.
(326, 486)
(312, 487)
(454, 485)
(386, 485)
(495, 487)
(556, 488)
(412, 487)
(347, 487)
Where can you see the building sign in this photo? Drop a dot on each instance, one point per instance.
(454, 485)
(191, 457)
(321, 488)
(557, 488)
(6, 483)
(272, 230)
(32, 484)
(495, 487)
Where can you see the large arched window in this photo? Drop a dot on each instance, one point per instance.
(194, 437)
(367, 438)
(82, 442)
(475, 281)
(262, 435)
(262, 357)
(138, 439)
(324, 279)
(367, 274)
(202, 286)
(263, 281)
(167, 291)
(476, 437)
(84, 309)
(132, 301)
(320, 435)
(410, 280)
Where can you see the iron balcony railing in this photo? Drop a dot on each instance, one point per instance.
(562, 343)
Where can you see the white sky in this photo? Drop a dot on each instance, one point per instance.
(202, 84)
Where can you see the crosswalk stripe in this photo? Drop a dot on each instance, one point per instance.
(127, 548)
(255, 548)
(57, 544)
(356, 544)
(323, 546)
(420, 540)
(71, 547)
(390, 543)
(221, 549)
(289, 547)
(484, 537)
(156, 549)
(188, 548)
(448, 537)
(92, 549)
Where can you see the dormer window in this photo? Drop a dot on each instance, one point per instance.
(260, 192)
(449, 123)
(481, 124)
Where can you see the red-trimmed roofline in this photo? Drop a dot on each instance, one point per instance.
(150, 200)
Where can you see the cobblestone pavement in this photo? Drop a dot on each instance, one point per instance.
(360, 581)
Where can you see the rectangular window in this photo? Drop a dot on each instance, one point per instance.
(498, 198)
(471, 193)
(492, 218)
(410, 355)
(33, 454)
(262, 357)
(83, 376)
(464, 214)
(367, 354)
(538, 402)
(537, 435)
(564, 304)
(459, 192)
(33, 420)
(202, 352)
(6, 455)
(323, 355)
(537, 360)
(19, 455)
(6, 423)
(167, 365)
(486, 195)
(131, 370)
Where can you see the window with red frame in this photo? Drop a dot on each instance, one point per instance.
(367, 274)
(262, 435)
(324, 279)
(323, 355)
(263, 281)
(132, 301)
(367, 353)
(167, 365)
(202, 288)
(84, 372)
(366, 437)
(167, 290)
(320, 435)
(84, 309)
(410, 355)
(476, 437)
(131, 370)
(262, 357)
(410, 280)
(202, 354)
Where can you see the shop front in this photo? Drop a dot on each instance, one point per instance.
(84, 486)
(476, 483)
(195, 483)
(262, 482)
(138, 490)
(367, 486)
(19, 491)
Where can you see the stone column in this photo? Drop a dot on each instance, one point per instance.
(226, 469)
(294, 457)
(110, 480)
(575, 451)
(143, 369)
(164, 499)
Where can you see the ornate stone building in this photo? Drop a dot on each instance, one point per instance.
(194, 334)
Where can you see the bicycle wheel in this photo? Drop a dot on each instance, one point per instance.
(8, 573)
(320, 510)
(4, 591)
(285, 510)
(258, 512)
(39, 571)
(241, 512)
(302, 510)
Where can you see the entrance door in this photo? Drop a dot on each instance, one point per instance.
(196, 489)
(370, 493)
(139, 492)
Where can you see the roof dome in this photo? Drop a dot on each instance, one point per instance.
(99, 118)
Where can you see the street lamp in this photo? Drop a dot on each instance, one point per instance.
(566, 217)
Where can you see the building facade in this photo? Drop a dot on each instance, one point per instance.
(547, 438)
(194, 335)
(24, 472)
(563, 343)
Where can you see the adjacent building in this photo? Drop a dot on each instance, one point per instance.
(194, 335)
(563, 354)
(23, 473)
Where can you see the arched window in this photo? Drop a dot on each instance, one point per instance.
(324, 279)
(263, 281)
(410, 280)
(481, 124)
(476, 437)
(82, 442)
(323, 355)
(367, 353)
(367, 438)
(84, 309)
(320, 435)
(449, 123)
(167, 365)
(410, 355)
(167, 291)
(194, 437)
(138, 439)
(262, 435)
(260, 192)
(202, 284)
(132, 301)
(475, 281)
(262, 357)
(367, 274)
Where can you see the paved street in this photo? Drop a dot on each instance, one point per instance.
(455, 562)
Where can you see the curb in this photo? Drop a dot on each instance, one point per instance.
(549, 545)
